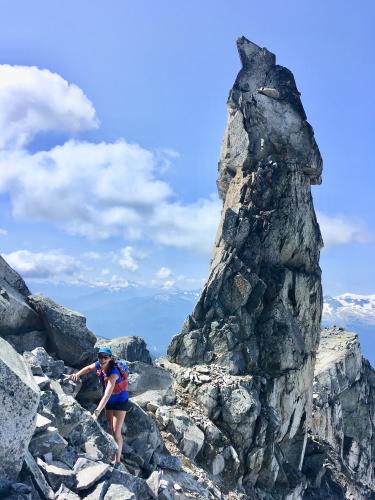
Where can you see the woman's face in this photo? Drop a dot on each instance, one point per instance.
(104, 359)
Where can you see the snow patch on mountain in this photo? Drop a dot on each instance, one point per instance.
(349, 308)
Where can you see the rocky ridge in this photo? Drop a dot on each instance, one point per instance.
(50, 446)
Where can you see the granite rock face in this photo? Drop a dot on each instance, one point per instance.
(16, 316)
(19, 398)
(259, 313)
(131, 348)
(68, 336)
(343, 424)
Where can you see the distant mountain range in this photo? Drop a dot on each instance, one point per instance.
(155, 314)
(158, 314)
(356, 313)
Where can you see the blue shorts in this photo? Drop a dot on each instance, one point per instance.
(123, 406)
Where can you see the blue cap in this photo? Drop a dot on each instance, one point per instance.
(105, 350)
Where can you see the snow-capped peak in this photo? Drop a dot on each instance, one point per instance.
(348, 308)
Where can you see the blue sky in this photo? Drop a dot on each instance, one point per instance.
(108, 161)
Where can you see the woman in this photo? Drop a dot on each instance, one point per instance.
(115, 395)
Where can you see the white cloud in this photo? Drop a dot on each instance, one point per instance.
(42, 264)
(94, 190)
(3, 232)
(190, 227)
(163, 273)
(92, 255)
(342, 230)
(33, 100)
(126, 259)
(168, 284)
(104, 190)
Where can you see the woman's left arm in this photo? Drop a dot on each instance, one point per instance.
(107, 394)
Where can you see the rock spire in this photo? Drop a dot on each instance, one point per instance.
(260, 310)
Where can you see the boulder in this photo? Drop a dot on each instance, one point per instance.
(99, 491)
(136, 485)
(18, 491)
(153, 482)
(49, 441)
(42, 423)
(31, 469)
(16, 316)
(64, 493)
(119, 492)
(90, 475)
(90, 391)
(68, 336)
(57, 473)
(144, 377)
(28, 341)
(165, 461)
(90, 436)
(50, 366)
(130, 348)
(150, 384)
(19, 396)
(189, 437)
(141, 433)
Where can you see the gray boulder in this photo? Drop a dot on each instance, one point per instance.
(91, 437)
(119, 492)
(189, 437)
(68, 336)
(49, 441)
(130, 348)
(136, 485)
(57, 473)
(141, 433)
(88, 476)
(64, 493)
(28, 341)
(19, 396)
(50, 366)
(165, 461)
(16, 316)
(144, 377)
(30, 469)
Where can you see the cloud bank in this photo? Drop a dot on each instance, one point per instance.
(101, 190)
(42, 265)
(340, 230)
(33, 100)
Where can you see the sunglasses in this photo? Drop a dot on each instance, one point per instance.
(103, 356)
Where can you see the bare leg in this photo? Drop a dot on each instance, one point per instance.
(109, 415)
(118, 420)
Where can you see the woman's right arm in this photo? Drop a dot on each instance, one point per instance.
(83, 371)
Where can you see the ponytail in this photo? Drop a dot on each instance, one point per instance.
(111, 364)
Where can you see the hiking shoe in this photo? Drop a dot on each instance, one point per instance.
(119, 466)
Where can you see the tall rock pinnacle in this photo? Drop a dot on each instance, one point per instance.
(260, 310)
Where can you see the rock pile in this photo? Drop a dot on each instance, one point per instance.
(50, 446)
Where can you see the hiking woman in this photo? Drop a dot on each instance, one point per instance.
(115, 394)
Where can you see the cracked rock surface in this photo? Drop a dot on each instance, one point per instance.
(259, 313)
